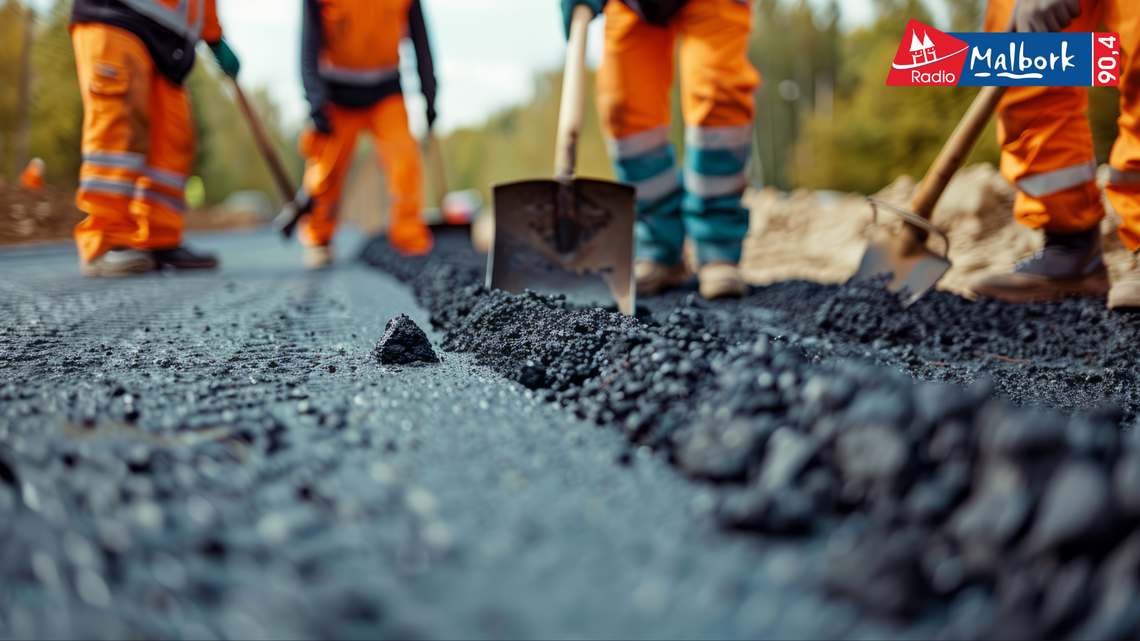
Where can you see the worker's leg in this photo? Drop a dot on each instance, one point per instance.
(1047, 152)
(633, 84)
(717, 85)
(159, 199)
(400, 157)
(1047, 145)
(115, 71)
(327, 158)
(1123, 189)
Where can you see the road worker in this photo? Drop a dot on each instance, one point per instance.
(138, 133)
(1047, 152)
(350, 68)
(717, 105)
(32, 177)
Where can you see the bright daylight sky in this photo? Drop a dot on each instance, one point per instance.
(486, 51)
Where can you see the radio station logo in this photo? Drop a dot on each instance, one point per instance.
(932, 59)
(929, 58)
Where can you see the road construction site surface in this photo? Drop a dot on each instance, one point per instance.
(216, 455)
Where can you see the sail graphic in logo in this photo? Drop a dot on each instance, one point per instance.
(933, 58)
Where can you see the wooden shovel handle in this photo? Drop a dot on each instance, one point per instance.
(961, 142)
(268, 151)
(573, 106)
(434, 154)
(957, 148)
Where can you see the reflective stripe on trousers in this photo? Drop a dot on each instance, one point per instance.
(115, 159)
(1122, 177)
(360, 76)
(1052, 182)
(174, 204)
(648, 162)
(715, 160)
(134, 162)
(109, 186)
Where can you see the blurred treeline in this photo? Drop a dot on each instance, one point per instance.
(227, 158)
(825, 118)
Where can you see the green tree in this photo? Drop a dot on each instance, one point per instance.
(228, 159)
(57, 109)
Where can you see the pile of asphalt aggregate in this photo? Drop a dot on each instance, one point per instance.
(220, 456)
(970, 458)
(404, 343)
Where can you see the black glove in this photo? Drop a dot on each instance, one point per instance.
(321, 122)
(1042, 16)
(430, 116)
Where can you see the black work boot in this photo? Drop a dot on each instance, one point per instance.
(1068, 265)
(182, 258)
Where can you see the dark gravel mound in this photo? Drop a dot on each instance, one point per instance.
(1070, 355)
(533, 339)
(403, 343)
(1023, 520)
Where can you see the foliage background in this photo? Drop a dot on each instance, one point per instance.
(845, 129)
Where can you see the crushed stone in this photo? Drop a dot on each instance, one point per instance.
(824, 410)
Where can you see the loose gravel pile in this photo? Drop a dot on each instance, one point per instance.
(403, 343)
(1021, 521)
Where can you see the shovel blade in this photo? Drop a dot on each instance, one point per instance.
(912, 273)
(570, 237)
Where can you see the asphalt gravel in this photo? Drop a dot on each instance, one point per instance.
(1009, 504)
(220, 455)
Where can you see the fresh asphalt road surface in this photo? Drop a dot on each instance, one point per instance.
(215, 454)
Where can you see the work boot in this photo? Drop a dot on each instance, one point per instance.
(117, 263)
(652, 277)
(721, 279)
(1068, 265)
(1125, 293)
(182, 258)
(317, 256)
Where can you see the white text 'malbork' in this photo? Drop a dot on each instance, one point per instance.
(1019, 65)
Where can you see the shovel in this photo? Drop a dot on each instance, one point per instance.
(277, 169)
(569, 235)
(914, 269)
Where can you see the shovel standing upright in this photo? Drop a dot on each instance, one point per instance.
(568, 235)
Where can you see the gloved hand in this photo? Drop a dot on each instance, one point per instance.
(430, 116)
(321, 121)
(1041, 16)
(226, 58)
(568, 10)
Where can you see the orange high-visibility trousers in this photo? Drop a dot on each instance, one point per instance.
(138, 145)
(717, 105)
(328, 157)
(1047, 145)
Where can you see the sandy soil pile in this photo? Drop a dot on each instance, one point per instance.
(820, 236)
(50, 214)
(27, 216)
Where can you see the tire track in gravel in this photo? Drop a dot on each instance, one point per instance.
(228, 483)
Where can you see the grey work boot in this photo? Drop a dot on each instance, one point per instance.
(1068, 265)
(118, 263)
